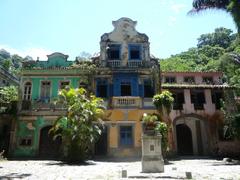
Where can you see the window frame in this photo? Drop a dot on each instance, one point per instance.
(29, 95)
(139, 47)
(63, 81)
(131, 144)
(189, 82)
(170, 77)
(109, 49)
(50, 91)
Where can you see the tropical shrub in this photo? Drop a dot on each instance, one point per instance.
(82, 124)
(163, 130)
(163, 101)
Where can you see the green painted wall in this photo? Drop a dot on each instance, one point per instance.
(23, 132)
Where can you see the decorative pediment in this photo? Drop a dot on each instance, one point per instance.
(124, 30)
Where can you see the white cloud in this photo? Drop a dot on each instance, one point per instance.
(172, 21)
(33, 52)
(177, 7)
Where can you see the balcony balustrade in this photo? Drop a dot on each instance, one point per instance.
(39, 105)
(126, 102)
(114, 63)
(133, 64)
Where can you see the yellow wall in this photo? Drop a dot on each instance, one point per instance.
(116, 116)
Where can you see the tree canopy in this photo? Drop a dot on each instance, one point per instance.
(217, 51)
(81, 125)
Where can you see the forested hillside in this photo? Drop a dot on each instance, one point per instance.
(12, 63)
(217, 51)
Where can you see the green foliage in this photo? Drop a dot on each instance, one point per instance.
(82, 124)
(231, 113)
(85, 65)
(8, 95)
(231, 6)
(221, 37)
(150, 119)
(163, 101)
(163, 130)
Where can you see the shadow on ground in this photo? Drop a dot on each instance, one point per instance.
(155, 177)
(15, 175)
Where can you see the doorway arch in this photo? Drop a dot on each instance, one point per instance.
(184, 140)
(191, 135)
(49, 148)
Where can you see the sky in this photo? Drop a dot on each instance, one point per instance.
(40, 27)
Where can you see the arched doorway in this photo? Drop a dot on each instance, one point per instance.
(49, 148)
(191, 135)
(184, 140)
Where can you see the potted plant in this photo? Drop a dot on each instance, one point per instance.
(149, 123)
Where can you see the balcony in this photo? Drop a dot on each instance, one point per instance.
(134, 64)
(39, 105)
(114, 63)
(130, 64)
(126, 102)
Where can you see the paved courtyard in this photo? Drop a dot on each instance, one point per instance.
(39, 169)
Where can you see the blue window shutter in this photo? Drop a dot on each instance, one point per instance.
(134, 86)
(116, 87)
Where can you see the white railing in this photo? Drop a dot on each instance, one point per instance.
(126, 101)
(133, 64)
(114, 63)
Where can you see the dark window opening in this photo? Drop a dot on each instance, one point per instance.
(189, 80)
(82, 85)
(148, 89)
(26, 142)
(126, 136)
(102, 88)
(102, 91)
(208, 80)
(113, 52)
(217, 97)
(135, 52)
(170, 79)
(198, 99)
(126, 89)
(64, 84)
(178, 100)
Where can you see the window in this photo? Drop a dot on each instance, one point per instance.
(26, 142)
(83, 85)
(126, 89)
(113, 52)
(45, 90)
(208, 80)
(27, 91)
(189, 80)
(170, 79)
(178, 100)
(148, 89)
(64, 84)
(217, 96)
(198, 99)
(126, 135)
(102, 88)
(134, 52)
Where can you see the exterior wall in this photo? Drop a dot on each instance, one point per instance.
(30, 128)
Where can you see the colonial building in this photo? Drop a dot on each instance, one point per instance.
(126, 77)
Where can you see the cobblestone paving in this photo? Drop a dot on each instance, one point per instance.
(200, 168)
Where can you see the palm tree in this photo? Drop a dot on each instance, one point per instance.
(230, 6)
